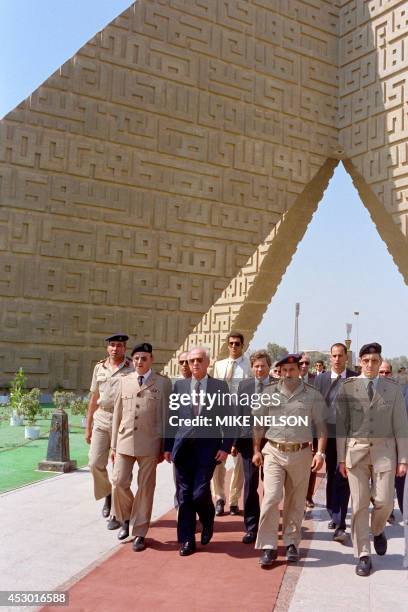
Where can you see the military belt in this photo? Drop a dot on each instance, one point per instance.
(289, 447)
(106, 408)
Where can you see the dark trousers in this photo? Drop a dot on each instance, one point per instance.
(312, 477)
(337, 487)
(399, 487)
(251, 483)
(193, 478)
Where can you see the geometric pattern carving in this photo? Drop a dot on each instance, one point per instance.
(138, 181)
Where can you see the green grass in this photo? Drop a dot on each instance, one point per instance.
(19, 458)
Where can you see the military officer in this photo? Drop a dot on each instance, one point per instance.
(138, 435)
(372, 447)
(106, 375)
(293, 407)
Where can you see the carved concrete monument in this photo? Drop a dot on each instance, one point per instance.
(160, 181)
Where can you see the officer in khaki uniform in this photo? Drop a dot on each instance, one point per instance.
(287, 456)
(106, 375)
(372, 447)
(138, 435)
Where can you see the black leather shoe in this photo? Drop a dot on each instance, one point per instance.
(331, 525)
(380, 544)
(363, 567)
(249, 537)
(113, 523)
(187, 549)
(268, 556)
(234, 510)
(138, 544)
(107, 506)
(292, 554)
(219, 507)
(123, 532)
(206, 535)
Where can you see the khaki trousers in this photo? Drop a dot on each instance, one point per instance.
(99, 453)
(360, 478)
(237, 481)
(135, 509)
(287, 472)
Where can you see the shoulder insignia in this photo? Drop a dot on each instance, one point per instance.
(349, 379)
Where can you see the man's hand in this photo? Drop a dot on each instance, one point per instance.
(113, 456)
(257, 459)
(342, 469)
(317, 462)
(234, 451)
(168, 457)
(401, 469)
(88, 435)
(221, 456)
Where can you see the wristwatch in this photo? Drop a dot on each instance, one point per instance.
(321, 454)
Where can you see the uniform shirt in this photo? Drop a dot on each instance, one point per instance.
(305, 401)
(105, 380)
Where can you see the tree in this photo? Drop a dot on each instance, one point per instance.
(276, 352)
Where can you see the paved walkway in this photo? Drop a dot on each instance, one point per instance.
(56, 539)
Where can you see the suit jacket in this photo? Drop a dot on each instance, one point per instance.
(139, 415)
(323, 381)
(211, 438)
(381, 425)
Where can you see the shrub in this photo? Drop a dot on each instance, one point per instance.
(30, 406)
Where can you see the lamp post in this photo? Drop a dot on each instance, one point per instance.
(348, 344)
(356, 314)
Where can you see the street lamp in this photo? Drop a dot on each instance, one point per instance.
(356, 314)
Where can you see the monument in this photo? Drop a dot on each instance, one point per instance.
(160, 181)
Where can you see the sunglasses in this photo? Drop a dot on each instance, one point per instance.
(199, 359)
(385, 371)
(304, 362)
(234, 343)
(183, 362)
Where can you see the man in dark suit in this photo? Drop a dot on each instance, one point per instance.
(249, 390)
(196, 443)
(308, 378)
(337, 487)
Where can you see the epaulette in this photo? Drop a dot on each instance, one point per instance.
(391, 380)
(101, 361)
(127, 362)
(271, 383)
(162, 375)
(349, 379)
(309, 385)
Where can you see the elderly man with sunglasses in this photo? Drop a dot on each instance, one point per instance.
(233, 370)
(196, 442)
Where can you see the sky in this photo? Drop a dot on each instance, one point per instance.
(340, 267)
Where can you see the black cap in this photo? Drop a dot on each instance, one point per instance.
(143, 347)
(291, 358)
(371, 348)
(118, 337)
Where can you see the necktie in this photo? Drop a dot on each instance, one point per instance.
(329, 395)
(140, 380)
(259, 386)
(196, 398)
(370, 390)
(229, 375)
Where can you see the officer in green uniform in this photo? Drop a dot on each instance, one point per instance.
(296, 412)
